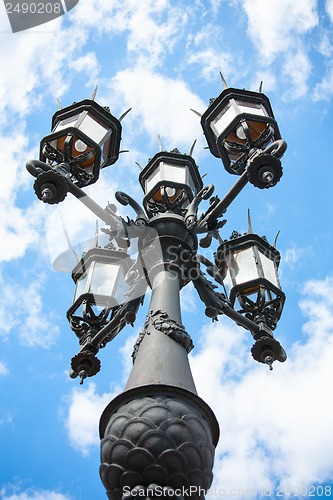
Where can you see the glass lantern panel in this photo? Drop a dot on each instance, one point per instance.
(66, 122)
(242, 266)
(104, 278)
(152, 180)
(81, 285)
(233, 108)
(253, 108)
(175, 173)
(223, 119)
(121, 289)
(167, 172)
(269, 269)
(93, 129)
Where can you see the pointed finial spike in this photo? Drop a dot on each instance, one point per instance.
(59, 103)
(159, 143)
(249, 222)
(124, 114)
(196, 112)
(92, 98)
(260, 87)
(275, 239)
(225, 85)
(192, 148)
(69, 242)
(96, 235)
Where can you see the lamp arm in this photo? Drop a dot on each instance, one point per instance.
(125, 314)
(124, 199)
(247, 323)
(277, 148)
(35, 167)
(119, 227)
(191, 214)
(219, 209)
(216, 303)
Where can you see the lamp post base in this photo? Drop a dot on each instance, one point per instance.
(157, 438)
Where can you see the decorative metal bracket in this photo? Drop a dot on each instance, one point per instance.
(160, 321)
(191, 214)
(124, 199)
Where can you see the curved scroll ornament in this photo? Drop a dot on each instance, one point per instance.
(213, 300)
(158, 442)
(160, 321)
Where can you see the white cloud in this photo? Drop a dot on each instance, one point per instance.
(324, 89)
(297, 68)
(10, 492)
(22, 314)
(276, 426)
(329, 9)
(211, 62)
(152, 27)
(160, 105)
(204, 52)
(277, 25)
(3, 369)
(89, 65)
(18, 226)
(7, 418)
(325, 46)
(17, 232)
(188, 298)
(86, 407)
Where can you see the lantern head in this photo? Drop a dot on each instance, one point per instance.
(250, 265)
(170, 181)
(100, 282)
(235, 123)
(85, 137)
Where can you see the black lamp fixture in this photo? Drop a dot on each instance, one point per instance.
(240, 128)
(158, 433)
(100, 279)
(170, 181)
(250, 265)
(101, 298)
(237, 121)
(85, 137)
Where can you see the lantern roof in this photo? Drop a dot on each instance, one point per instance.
(240, 242)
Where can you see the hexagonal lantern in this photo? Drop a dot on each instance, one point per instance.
(170, 181)
(100, 280)
(86, 137)
(252, 265)
(236, 122)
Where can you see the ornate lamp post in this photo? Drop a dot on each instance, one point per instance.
(158, 436)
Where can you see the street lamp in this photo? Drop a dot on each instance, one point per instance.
(170, 180)
(101, 288)
(158, 436)
(85, 137)
(100, 278)
(238, 125)
(251, 264)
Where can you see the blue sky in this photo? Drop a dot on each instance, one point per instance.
(162, 58)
